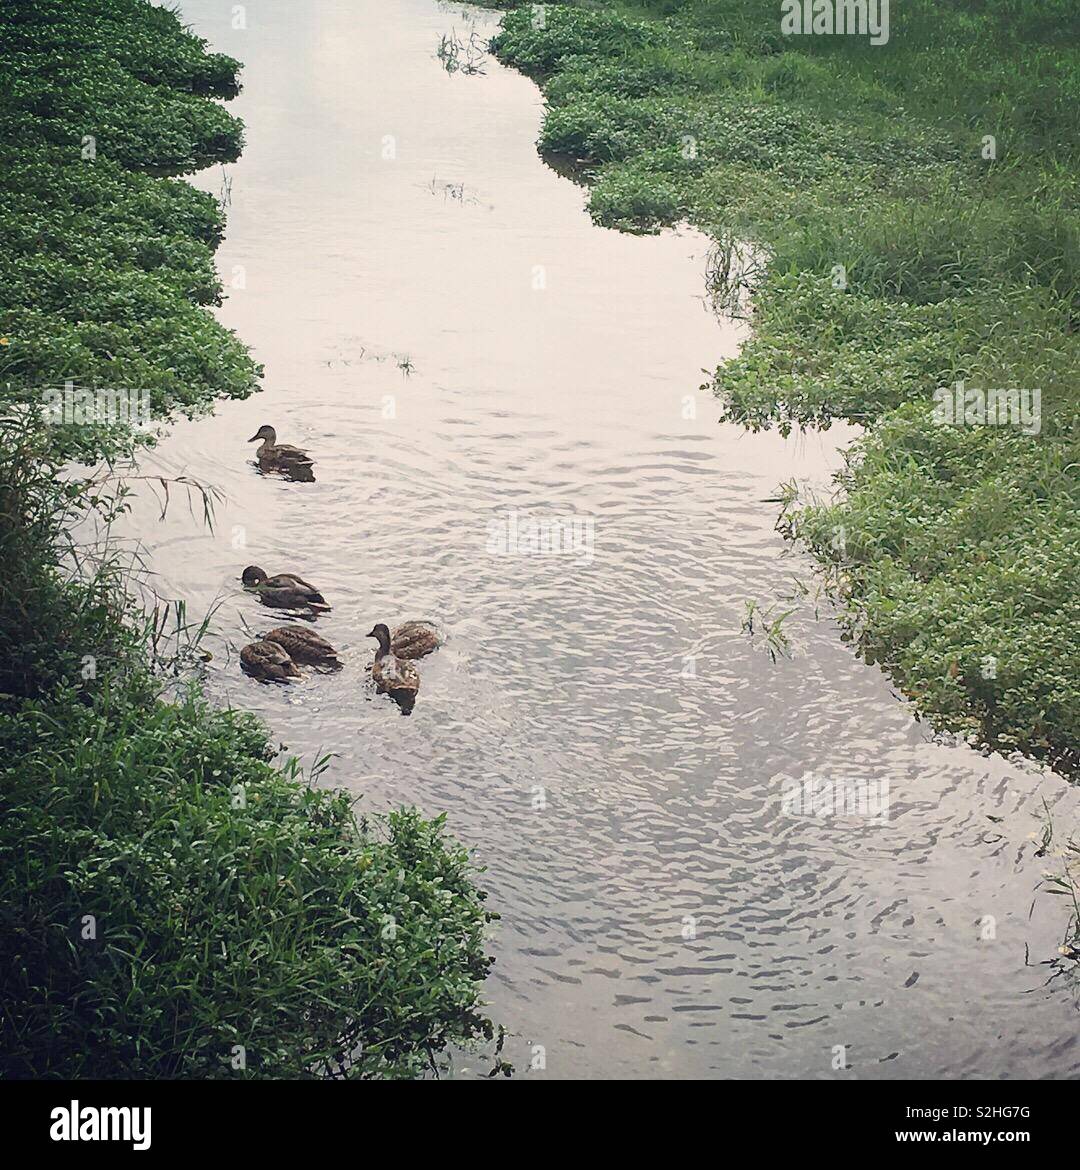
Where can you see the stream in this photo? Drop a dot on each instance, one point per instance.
(466, 356)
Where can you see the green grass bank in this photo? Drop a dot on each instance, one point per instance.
(172, 904)
(901, 217)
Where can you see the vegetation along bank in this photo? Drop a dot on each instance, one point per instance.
(904, 214)
(173, 904)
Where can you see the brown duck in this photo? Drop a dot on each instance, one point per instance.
(274, 456)
(284, 590)
(268, 662)
(393, 676)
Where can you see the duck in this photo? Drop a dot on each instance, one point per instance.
(303, 645)
(284, 590)
(275, 456)
(414, 639)
(393, 676)
(268, 662)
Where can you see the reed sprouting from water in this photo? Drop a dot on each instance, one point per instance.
(462, 56)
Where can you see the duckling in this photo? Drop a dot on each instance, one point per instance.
(267, 662)
(304, 645)
(275, 456)
(415, 639)
(284, 590)
(395, 677)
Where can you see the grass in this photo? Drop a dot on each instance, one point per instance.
(910, 215)
(108, 263)
(176, 906)
(172, 904)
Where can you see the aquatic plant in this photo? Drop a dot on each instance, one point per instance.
(1064, 882)
(461, 56)
(762, 619)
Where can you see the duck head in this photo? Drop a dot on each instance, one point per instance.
(253, 575)
(266, 433)
(382, 633)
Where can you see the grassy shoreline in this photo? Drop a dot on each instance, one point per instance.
(173, 903)
(915, 205)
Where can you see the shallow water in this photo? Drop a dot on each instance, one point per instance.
(452, 339)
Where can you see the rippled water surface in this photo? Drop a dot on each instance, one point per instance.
(451, 337)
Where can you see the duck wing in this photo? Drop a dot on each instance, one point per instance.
(293, 584)
(415, 639)
(285, 579)
(288, 454)
(302, 644)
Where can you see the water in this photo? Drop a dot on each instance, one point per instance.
(450, 336)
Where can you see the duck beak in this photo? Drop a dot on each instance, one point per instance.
(371, 635)
(253, 438)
